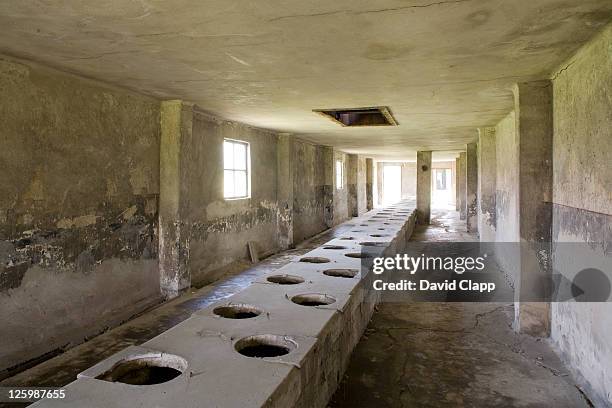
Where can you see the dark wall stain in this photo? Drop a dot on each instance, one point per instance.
(595, 229)
(235, 222)
(80, 249)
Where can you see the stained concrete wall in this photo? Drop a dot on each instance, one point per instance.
(506, 195)
(78, 208)
(462, 185)
(369, 186)
(582, 209)
(423, 198)
(221, 229)
(362, 198)
(487, 179)
(356, 185)
(351, 170)
(471, 183)
(313, 190)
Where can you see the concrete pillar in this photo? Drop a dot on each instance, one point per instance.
(457, 182)
(352, 169)
(487, 174)
(284, 164)
(379, 181)
(328, 185)
(174, 228)
(461, 185)
(423, 194)
(471, 187)
(534, 127)
(369, 184)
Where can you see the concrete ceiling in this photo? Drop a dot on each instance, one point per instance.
(443, 67)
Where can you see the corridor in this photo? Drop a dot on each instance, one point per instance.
(428, 354)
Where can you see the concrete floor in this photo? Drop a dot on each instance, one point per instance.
(452, 354)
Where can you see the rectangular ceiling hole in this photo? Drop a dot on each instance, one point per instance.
(371, 116)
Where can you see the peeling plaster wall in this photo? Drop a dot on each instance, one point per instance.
(220, 229)
(582, 208)
(506, 196)
(78, 208)
(313, 196)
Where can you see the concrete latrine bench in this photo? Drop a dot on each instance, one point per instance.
(285, 341)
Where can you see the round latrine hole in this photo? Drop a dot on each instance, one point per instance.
(381, 229)
(313, 299)
(347, 238)
(237, 311)
(379, 235)
(265, 345)
(314, 259)
(341, 273)
(363, 225)
(146, 369)
(285, 279)
(333, 247)
(357, 231)
(357, 255)
(375, 244)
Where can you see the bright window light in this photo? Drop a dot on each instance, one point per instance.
(236, 177)
(339, 174)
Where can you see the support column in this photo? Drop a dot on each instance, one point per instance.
(534, 126)
(369, 184)
(379, 182)
(487, 175)
(176, 132)
(461, 185)
(284, 162)
(457, 182)
(328, 185)
(352, 169)
(423, 193)
(472, 187)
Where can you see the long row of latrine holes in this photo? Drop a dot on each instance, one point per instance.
(150, 369)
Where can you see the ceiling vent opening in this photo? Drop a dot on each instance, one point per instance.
(372, 116)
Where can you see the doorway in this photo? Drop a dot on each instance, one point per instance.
(441, 188)
(392, 184)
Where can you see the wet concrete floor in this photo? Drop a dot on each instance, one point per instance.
(421, 354)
